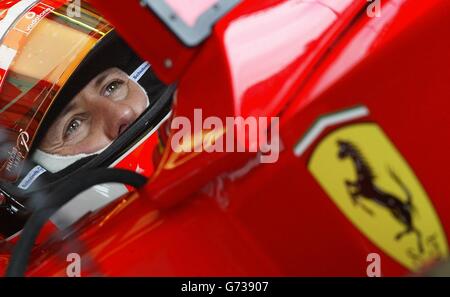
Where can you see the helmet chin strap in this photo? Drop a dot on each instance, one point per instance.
(137, 75)
(56, 163)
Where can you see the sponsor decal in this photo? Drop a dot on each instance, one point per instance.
(14, 161)
(140, 71)
(12, 12)
(371, 183)
(31, 177)
(27, 23)
(18, 153)
(22, 140)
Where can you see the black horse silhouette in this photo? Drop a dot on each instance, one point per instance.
(365, 187)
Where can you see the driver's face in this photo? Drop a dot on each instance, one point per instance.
(103, 109)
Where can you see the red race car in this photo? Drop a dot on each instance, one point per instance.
(224, 137)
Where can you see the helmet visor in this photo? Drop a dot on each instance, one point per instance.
(38, 54)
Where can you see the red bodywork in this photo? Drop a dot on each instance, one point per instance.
(225, 214)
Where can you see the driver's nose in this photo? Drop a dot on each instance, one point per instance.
(118, 117)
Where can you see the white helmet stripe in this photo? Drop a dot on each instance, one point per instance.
(140, 71)
(13, 14)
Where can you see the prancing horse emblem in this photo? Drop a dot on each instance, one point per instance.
(365, 187)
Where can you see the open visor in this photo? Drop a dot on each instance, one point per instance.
(41, 47)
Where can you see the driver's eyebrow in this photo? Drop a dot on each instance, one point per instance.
(67, 109)
(100, 79)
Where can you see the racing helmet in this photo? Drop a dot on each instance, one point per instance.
(49, 51)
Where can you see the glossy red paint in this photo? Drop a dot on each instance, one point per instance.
(161, 48)
(279, 46)
(138, 159)
(235, 97)
(227, 214)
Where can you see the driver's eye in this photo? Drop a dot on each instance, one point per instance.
(72, 127)
(112, 88)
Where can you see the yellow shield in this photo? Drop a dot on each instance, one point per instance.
(370, 182)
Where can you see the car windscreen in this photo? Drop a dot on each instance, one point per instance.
(191, 21)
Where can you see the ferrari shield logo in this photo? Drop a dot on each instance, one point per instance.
(370, 182)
